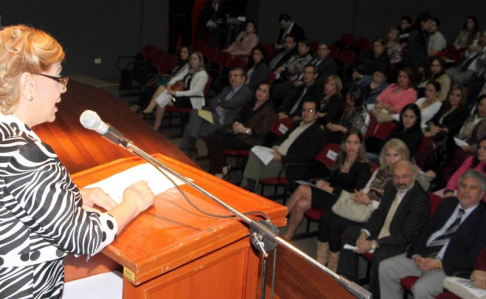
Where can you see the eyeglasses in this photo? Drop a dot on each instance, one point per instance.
(235, 76)
(307, 110)
(63, 81)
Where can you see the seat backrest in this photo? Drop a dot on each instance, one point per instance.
(169, 64)
(347, 39)
(271, 77)
(211, 53)
(363, 43)
(328, 154)
(435, 201)
(200, 45)
(148, 50)
(347, 57)
(208, 85)
(382, 130)
(334, 51)
(371, 127)
(224, 59)
(281, 126)
(237, 62)
(158, 56)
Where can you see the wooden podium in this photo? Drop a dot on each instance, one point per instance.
(173, 250)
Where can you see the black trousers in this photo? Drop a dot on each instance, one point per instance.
(179, 25)
(348, 260)
(331, 226)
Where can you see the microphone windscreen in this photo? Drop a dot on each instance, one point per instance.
(92, 121)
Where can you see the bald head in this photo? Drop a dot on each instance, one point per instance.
(403, 175)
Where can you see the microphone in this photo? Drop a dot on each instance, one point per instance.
(92, 121)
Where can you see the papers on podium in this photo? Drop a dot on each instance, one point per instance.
(263, 153)
(115, 185)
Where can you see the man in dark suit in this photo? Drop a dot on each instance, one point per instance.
(448, 245)
(309, 90)
(288, 27)
(213, 12)
(289, 50)
(403, 211)
(326, 66)
(223, 107)
(180, 23)
(299, 145)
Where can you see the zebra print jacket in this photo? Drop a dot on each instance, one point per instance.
(41, 218)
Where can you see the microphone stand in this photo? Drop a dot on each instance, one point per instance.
(263, 234)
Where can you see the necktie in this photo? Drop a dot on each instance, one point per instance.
(298, 101)
(436, 245)
(468, 62)
(385, 230)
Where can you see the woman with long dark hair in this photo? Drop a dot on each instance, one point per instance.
(436, 72)
(351, 171)
(257, 68)
(469, 33)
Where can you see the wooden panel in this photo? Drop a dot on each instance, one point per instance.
(173, 233)
(221, 274)
(80, 149)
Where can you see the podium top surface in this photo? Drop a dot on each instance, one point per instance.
(173, 232)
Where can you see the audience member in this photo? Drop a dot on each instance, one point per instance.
(331, 105)
(223, 108)
(299, 145)
(450, 242)
(395, 97)
(405, 27)
(244, 42)
(430, 104)
(377, 86)
(445, 158)
(212, 14)
(355, 116)
(403, 211)
(451, 114)
(293, 68)
(326, 66)
(365, 64)
(287, 51)
(288, 27)
(248, 129)
(437, 41)
(474, 128)
(476, 162)
(408, 130)
(180, 20)
(257, 68)
(416, 55)
(332, 226)
(159, 81)
(393, 47)
(309, 90)
(469, 33)
(350, 172)
(436, 71)
(473, 61)
(187, 87)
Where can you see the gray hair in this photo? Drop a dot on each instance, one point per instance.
(474, 174)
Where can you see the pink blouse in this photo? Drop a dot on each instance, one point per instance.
(243, 47)
(399, 99)
(452, 184)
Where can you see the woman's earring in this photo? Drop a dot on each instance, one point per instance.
(30, 101)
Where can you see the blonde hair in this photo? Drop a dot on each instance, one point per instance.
(396, 145)
(23, 49)
(337, 81)
(201, 61)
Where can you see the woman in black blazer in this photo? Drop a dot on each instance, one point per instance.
(451, 114)
(257, 68)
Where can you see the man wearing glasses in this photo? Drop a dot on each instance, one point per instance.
(223, 108)
(296, 148)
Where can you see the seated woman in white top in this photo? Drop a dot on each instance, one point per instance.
(430, 104)
(184, 90)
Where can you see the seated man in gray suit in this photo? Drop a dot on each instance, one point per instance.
(223, 107)
(448, 245)
(403, 211)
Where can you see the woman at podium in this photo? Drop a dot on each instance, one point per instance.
(43, 214)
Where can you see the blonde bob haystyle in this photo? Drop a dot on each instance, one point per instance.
(23, 49)
(395, 144)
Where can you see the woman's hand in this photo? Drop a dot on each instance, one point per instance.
(238, 128)
(379, 105)
(360, 197)
(430, 173)
(96, 196)
(139, 194)
(434, 129)
(478, 278)
(276, 155)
